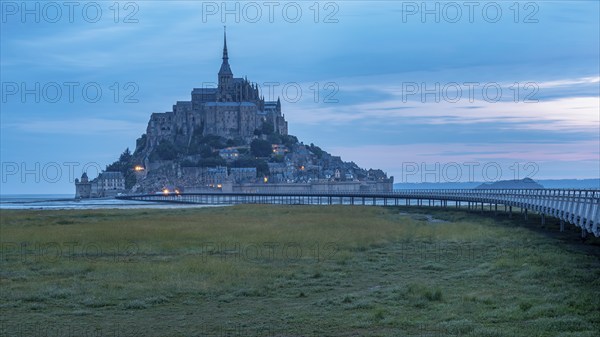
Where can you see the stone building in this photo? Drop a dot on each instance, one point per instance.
(83, 187)
(107, 184)
(215, 176)
(233, 110)
(240, 175)
(111, 181)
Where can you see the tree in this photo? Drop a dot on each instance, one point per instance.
(125, 157)
(289, 141)
(122, 164)
(316, 150)
(140, 143)
(166, 150)
(212, 162)
(237, 141)
(274, 138)
(206, 151)
(267, 128)
(260, 148)
(262, 168)
(188, 163)
(125, 166)
(213, 141)
(278, 159)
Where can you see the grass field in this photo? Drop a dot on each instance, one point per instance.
(294, 271)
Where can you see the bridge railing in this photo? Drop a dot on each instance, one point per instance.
(580, 207)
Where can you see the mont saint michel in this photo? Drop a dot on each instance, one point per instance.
(229, 139)
(433, 169)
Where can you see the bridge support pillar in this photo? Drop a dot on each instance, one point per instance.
(583, 233)
(562, 226)
(526, 218)
(543, 219)
(510, 212)
(495, 209)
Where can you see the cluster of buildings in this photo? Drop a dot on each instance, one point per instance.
(107, 184)
(235, 112)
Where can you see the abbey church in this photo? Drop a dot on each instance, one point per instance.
(228, 138)
(232, 110)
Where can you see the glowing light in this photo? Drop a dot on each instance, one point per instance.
(219, 185)
(266, 179)
(166, 191)
(176, 191)
(138, 168)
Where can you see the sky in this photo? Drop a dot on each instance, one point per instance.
(426, 91)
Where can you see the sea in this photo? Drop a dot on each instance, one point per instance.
(67, 201)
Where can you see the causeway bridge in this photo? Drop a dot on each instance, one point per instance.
(577, 207)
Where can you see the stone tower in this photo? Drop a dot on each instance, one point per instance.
(225, 75)
(83, 188)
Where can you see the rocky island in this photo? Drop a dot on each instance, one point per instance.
(229, 139)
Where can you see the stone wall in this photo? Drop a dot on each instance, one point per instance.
(317, 187)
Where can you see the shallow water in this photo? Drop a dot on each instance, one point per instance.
(66, 201)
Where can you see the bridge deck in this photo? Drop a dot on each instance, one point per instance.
(578, 207)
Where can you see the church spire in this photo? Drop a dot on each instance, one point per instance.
(225, 56)
(225, 69)
(225, 74)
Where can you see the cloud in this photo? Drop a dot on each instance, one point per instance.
(570, 82)
(369, 54)
(578, 114)
(448, 152)
(72, 37)
(541, 159)
(88, 126)
(568, 104)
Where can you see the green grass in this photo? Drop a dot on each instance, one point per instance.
(294, 271)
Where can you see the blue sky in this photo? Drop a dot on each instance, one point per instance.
(371, 61)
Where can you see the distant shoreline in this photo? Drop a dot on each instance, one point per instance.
(591, 183)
